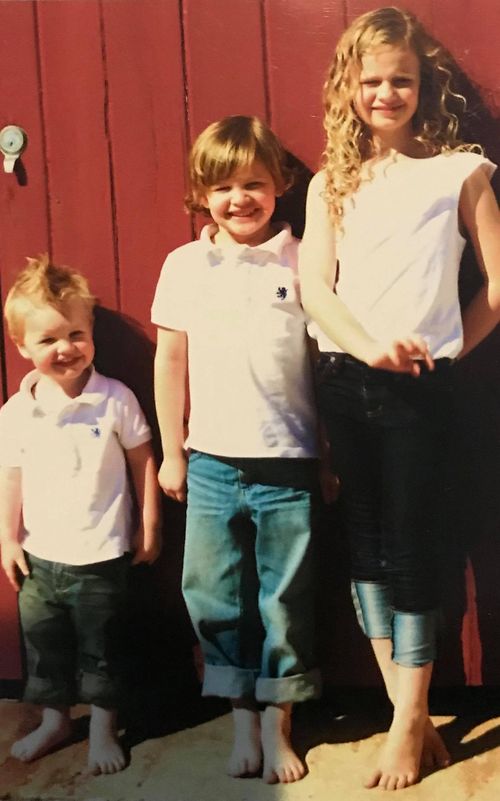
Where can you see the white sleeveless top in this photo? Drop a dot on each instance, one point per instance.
(400, 251)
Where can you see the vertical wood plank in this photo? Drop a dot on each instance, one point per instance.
(74, 101)
(470, 32)
(144, 73)
(23, 200)
(224, 60)
(23, 225)
(301, 38)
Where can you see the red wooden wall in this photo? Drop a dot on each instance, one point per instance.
(111, 92)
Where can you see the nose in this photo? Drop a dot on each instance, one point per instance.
(238, 196)
(64, 346)
(385, 91)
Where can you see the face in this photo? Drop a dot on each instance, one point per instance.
(387, 96)
(59, 343)
(242, 205)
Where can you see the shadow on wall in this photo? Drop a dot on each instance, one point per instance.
(474, 499)
(160, 631)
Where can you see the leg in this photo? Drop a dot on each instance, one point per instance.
(105, 752)
(413, 445)
(246, 756)
(220, 590)
(399, 763)
(282, 515)
(98, 595)
(281, 763)
(219, 579)
(50, 661)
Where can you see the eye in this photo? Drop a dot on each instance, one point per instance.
(223, 188)
(254, 184)
(369, 82)
(46, 341)
(76, 335)
(403, 81)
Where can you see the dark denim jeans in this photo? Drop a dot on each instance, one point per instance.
(72, 623)
(389, 436)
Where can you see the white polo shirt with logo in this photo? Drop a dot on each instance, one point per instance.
(249, 373)
(77, 505)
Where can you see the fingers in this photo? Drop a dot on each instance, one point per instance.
(176, 495)
(22, 565)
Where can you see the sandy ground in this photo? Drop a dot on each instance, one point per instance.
(188, 764)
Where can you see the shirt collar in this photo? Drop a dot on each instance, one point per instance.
(50, 396)
(270, 250)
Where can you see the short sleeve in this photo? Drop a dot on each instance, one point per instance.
(131, 425)
(10, 442)
(464, 164)
(171, 300)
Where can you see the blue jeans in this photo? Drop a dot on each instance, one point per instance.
(72, 624)
(247, 577)
(389, 437)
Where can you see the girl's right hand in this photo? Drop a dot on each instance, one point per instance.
(401, 356)
(172, 476)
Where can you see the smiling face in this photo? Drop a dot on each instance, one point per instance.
(387, 95)
(242, 205)
(59, 343)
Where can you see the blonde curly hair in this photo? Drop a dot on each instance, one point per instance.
(349, 142)
(42, 283)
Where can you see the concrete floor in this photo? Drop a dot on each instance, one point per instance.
(188, 764)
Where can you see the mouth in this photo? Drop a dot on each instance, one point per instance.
(242, 215)
(386, 109)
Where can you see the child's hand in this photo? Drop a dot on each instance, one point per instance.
(12, 560)
(172, 476)
(401, 356)
(329, 483)
(147, 547)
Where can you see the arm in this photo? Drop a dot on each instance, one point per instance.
(142, 467)
(317, 264)
(170, 397)
(479, 213)
(10, 519)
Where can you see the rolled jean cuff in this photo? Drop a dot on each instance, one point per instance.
(414, 638)
(289, 689)
(46, 692)
(372, 603)
(101, 691)
(228, 681)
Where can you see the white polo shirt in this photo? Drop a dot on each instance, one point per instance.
(76, 500)
(249, 372)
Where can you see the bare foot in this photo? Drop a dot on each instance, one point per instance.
(399, 763)
(281, 763)
(105, 752)
(54, 729)
(434, 752)
(246, 756)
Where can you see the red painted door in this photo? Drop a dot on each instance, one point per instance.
(110, 93)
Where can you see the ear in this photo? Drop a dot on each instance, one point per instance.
(22, 350)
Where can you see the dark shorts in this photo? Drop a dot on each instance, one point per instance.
(72, 620)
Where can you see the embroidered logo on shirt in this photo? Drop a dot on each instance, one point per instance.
(96, 431)
(281, 292)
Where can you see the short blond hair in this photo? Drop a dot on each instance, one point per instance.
(228, 145)
(43, 283)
